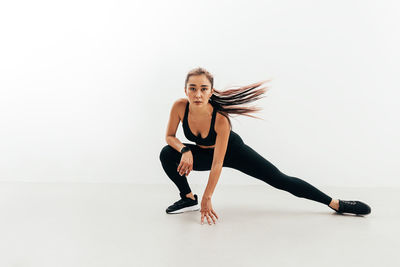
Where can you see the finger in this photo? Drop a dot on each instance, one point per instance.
(212, 217)
(215, 214)
(208, 219)
(179, 167)
(187, 168)
(182, 170)
(202, 217)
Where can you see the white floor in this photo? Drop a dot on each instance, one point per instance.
(114, 225)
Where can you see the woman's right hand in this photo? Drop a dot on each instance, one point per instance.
(186, 164)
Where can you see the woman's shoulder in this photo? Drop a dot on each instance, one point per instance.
(180, 103)
(182, 100)
(180, 106)
(221, 123)
(220, 119)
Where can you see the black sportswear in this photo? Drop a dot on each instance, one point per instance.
(209, 140)
(243, 158)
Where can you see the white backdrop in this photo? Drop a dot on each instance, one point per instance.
(86, 86)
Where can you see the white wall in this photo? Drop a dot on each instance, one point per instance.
(86, 86)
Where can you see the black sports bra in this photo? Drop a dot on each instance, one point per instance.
(210, 138)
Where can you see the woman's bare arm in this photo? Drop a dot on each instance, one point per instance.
(173, 124)
(222, 129)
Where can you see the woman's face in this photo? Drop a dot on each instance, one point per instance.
(198, 90)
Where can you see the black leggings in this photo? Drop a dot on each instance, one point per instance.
(241, 157)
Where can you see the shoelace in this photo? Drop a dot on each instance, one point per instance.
(349, 202)
(179, 201)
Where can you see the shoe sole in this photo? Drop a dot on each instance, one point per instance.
(191, 208)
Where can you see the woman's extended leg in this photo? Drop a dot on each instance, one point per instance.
(248, 161)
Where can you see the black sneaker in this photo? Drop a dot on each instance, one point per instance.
(183, 205)
(352, 206)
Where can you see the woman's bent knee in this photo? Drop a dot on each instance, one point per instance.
(167, 152)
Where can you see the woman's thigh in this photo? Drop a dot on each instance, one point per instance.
(202, 158)
(247, 160)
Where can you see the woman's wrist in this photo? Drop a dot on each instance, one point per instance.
(207, 196)
(184, 149)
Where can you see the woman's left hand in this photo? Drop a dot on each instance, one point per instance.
(207, 210)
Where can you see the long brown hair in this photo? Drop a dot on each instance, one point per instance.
(226, 102)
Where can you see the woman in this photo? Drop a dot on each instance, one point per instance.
(205, 121)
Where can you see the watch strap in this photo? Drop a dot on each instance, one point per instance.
(184, 149)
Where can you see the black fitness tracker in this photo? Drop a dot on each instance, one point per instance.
(184, 149)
